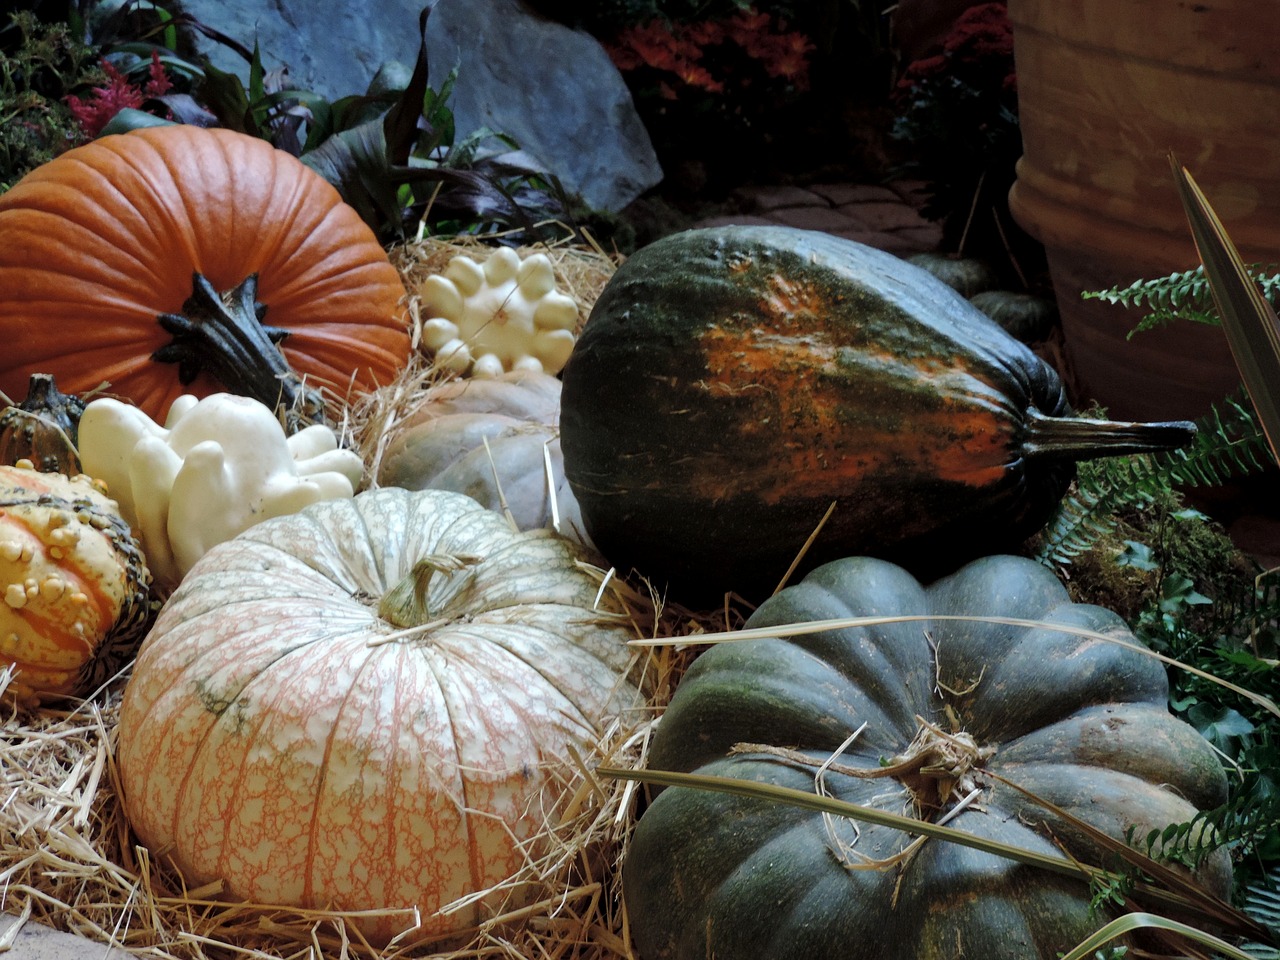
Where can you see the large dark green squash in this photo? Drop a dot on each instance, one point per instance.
(1080, 722)
(731, 383)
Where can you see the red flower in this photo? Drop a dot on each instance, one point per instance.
(696, 76)
(96, 112)
(788, 56)
(705, 33)
(981, 31)
(680, 51)
(159, 83)
(743, 28)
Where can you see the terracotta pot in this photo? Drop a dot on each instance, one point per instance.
(1105, 91)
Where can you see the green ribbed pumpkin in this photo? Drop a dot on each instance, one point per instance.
(1080, 722)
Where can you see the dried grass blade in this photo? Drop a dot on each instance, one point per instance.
(1137, 921)
(1251, 326)
(812, 801)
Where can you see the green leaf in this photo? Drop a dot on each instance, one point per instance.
(225, 96)
(130, 118)
(1138, 555)
(355, 162)
(1251, 325)
(1220, 726)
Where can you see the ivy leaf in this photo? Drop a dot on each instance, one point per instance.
(1137, 555)
(1224, 728)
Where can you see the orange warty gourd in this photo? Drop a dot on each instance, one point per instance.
(107, 248)
(73, 582)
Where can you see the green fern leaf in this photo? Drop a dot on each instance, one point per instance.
(1229, 444)
(1262, 903)
(1181, 296)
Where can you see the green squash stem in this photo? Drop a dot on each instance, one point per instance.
(1079, 438)
(223, 335)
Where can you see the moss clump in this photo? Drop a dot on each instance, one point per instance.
(1131, 568)
(40, 64)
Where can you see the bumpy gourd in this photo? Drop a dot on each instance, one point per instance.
(218, 466)
(42, 428)
(74, 582)
(504, 314)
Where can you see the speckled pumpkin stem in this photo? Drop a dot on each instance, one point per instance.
(223, 335)
(1079, 438)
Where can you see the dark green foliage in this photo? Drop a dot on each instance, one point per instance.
(39, 65)
(1229, 444)
(1183, 295)
(1261, 901)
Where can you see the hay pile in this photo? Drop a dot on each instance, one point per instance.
(69, 860)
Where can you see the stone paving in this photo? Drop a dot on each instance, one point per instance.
(883, 216)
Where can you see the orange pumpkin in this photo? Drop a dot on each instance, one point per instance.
(105, 240)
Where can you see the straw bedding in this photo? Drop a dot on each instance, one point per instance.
(69, 860)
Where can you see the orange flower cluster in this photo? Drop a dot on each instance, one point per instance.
(682, 50)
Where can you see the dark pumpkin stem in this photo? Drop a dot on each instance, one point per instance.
(43, 428)
(223, 335)
(1079, 438)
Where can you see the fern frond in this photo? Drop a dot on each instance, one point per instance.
(1262, 900)
(1181, 295)
(1240, 823)
(1230, 443)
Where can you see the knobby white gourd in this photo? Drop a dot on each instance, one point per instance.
(504, 314)
(368, 705)
(217, 466)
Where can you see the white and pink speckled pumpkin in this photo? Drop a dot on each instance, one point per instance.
(315, 725)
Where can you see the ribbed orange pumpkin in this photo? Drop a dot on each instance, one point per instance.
(104, 239)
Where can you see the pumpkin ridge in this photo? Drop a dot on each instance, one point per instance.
(484, 630)
(143, 173)
(308, 866)
(106, 248)
(233, 796)
(461, 782)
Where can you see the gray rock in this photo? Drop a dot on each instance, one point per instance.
(332, 49)
(552, 89)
